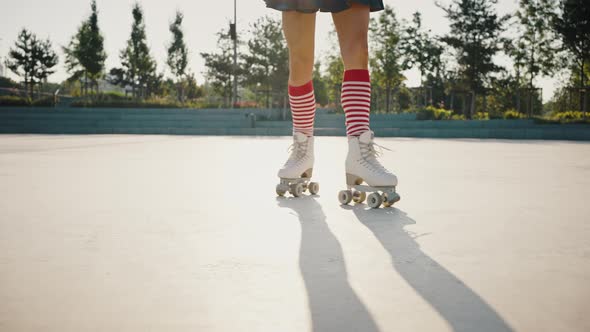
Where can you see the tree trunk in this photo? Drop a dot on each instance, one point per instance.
(518, 100)
(585, 102)
(530, 95)
(181, 92)
(472, 107)
(27, 84)
(387, 98)
(582, 86)
(452, 101)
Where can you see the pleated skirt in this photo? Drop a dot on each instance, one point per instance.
(312, 6)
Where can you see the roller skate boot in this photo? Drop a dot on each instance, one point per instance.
(295, 175)
(365, 174)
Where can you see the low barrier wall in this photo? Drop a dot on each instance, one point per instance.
(31, 120)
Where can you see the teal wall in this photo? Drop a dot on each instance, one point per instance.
(238, 122)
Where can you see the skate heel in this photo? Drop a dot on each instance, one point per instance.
(307, 174)
(353, 180)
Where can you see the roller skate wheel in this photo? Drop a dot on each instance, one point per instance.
(359, 196)
(345, 196)
(313, 187)
(297, 189)
(281, 190)
(389, 199)
(374, 200)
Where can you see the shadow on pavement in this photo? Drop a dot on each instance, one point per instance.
(333, 304)
(457, 304)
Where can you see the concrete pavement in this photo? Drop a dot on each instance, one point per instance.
(184, 233)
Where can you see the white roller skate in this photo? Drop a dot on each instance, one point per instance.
(362, 166)
(297, 171)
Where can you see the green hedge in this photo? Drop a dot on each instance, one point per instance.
(513, 114)
(433, 113)
(481, 116)
(14, 101)
(569, 116)
(123, 104)
(22, 101)
(48, 101)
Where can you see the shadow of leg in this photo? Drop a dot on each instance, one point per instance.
(461, 307)
(333, 304)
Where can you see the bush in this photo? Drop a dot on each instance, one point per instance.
(481, 116)
(112, 95)
(6, 82)
(22, 101)
(433, 113)
(246, 104)
(513, 114)
(14, 101)
(569, 116)
(125, 104)
(48, 101)
(458, 117)
(425, 114)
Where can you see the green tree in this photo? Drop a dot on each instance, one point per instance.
(267, 59)
(475, 36)
(178, 54)
(533, 50)
(573, 25)
(334, 72)
(85, 54)
(47, 59)
(319, 85)
(385, 60)
(536, 41)
(138, 67)
(333, 79)
(420, 49)
(220, 67)
(32, 59)
(191, 88)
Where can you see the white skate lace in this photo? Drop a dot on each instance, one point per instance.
(370, 155)
(298, 151)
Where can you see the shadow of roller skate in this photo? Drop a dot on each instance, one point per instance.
(455, 302)
(333, 304)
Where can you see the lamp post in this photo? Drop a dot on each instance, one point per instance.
(1, 62)
(235, 38)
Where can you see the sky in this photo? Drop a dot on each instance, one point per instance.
(59, 20)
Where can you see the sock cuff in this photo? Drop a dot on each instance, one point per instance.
(361, 75)
(301, 90)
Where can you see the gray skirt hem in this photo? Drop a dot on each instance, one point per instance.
(312, 6)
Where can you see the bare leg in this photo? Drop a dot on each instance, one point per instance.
(352, 26)
(299, 30)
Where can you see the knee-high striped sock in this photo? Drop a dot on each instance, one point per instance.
(302, 101)
(356, 100)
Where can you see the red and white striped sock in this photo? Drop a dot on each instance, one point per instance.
(356, 100)
(302, 101)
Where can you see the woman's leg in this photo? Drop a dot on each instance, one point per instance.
(299, 30)
(361, 164)
(352, 26)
